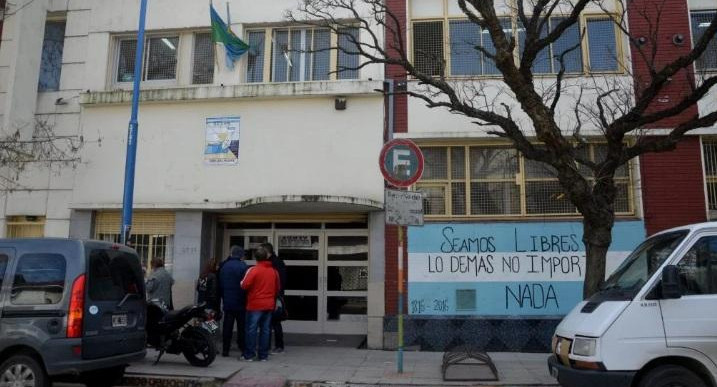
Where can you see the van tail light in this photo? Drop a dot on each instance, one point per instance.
(77, 308)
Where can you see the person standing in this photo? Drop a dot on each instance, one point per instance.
(233, 297)
(208, 286)
(159, 284)
(277, 317)
(262, 285)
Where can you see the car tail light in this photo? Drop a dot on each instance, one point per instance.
(77, 308)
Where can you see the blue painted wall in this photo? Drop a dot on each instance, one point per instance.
(504, 269)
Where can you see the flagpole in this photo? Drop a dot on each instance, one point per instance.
(131, 160)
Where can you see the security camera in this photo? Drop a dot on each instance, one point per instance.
(678, 39)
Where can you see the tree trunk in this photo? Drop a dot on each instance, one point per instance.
(597, 236)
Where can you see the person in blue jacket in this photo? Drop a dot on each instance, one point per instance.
(231, 273)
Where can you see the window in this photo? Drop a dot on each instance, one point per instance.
(494, 181)
(113, 275)
(700, 22)
(602, 44)
(159, 62)
(51, 62)
(203, 66)
(152, 234)
(565, 48)
(698, 268)
(709, 152)
(255, 57)
(39, 279)
(428, 47)
(465, 58)
(348, 57)
(25, 227)
(301, 55)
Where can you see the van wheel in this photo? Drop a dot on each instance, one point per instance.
(671, 376)
(23, 370)
(107, 377)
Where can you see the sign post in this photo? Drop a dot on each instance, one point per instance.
(401, 163)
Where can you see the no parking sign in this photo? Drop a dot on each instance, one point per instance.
(401, 162)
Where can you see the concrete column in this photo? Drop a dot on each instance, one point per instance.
(81, 224)
(27, 35)
(186, 259)
(377, 274)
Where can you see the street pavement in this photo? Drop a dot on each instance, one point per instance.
(322, 366)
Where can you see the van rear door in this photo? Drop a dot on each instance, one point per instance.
(115, 307)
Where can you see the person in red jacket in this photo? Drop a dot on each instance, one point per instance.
(262, 285)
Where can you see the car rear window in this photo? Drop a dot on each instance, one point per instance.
(39, 279)
(113, 274)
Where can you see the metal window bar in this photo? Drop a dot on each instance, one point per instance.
(159, 62)
(428, 47)
(710, 165)
(203, 63)
(255, 61)
(602, 44)
(348, 58)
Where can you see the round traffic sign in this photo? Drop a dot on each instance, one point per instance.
(401, 162)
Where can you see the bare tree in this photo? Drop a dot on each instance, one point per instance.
(530, 113)
(20, 150)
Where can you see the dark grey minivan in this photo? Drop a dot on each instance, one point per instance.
(69, 310)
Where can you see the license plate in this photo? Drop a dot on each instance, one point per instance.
(554, 372)
(211, 326)
(119, 320)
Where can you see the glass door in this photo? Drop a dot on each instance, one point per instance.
(248, 240)
(302, 253)
(346, 283)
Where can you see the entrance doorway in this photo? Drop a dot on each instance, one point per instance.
(327, 275)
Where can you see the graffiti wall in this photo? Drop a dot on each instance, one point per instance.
(504, 269)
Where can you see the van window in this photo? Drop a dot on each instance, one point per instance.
(3, 266)
(113, 274)
(39, 279)
(698, 268)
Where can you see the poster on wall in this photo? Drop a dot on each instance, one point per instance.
(504, 269)
(222, 141)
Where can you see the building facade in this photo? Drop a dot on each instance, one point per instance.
(283, 148)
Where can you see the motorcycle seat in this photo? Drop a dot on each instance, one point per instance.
(174, 314)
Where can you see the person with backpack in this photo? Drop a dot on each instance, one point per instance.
(233, 297)
(262, 286)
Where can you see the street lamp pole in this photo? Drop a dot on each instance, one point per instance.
(132, 132)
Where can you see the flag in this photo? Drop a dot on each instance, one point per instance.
(222, 33)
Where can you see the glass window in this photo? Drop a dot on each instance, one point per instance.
(348, 57)
(602, 44)
(280, 56)
(160, 59)
(39, 279)
(51, 62)
(428, 47)
(301, 55)
(465, 58)
(710, 164)
(567, 47)
(488, 63)
(493, 187)
(700, 22)
(320, 65)
(113, 275)
(203, 66)
(25, 226)
(255, 57)
(698, 268)
(542, 62)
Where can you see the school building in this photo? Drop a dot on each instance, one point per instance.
(284, 149)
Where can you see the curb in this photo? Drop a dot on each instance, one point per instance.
(138, 380)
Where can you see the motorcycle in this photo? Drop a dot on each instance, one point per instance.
(189, 331)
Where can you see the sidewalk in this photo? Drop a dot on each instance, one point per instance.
(322, 366)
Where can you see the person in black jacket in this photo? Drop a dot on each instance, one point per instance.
(280, 267)
(208, 286)
(233, 297)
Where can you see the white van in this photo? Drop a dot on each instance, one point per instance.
(654, 321)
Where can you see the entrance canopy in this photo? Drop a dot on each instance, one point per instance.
(307, 204)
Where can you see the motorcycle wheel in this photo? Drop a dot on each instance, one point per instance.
(198, 347)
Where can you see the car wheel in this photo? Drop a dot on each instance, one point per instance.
(671, 376)
(23, 370)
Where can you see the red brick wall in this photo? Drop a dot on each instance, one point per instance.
(673, 187)
(398, 8)
(672, 183)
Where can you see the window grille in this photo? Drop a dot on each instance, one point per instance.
(51, 62)
(152, 234)
(321, 55)
(25, 227)
(548, 59)
(348, 57)
(203, 66)
(602, 44)
(255, 61)
(159, 62)
(700, 22)
(428, 47)
(710, 162)
(495, 181)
